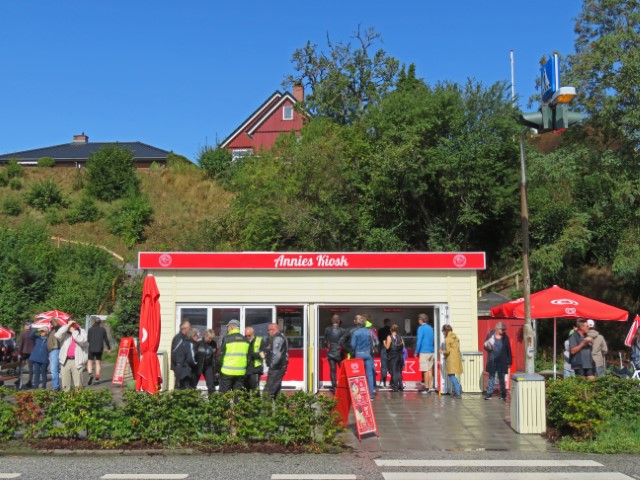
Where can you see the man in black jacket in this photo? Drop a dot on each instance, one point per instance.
(277, 359)
(332, 337)
(180, 337)
(185, 360)
(98, 338)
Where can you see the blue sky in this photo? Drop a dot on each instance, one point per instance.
(181, 74)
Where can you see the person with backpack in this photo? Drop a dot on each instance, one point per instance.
(332, 338)
(394, 345)
(362, 342)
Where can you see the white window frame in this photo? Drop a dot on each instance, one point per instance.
(285, 109)
(241, 152)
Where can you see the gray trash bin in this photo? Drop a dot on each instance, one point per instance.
(528, 407)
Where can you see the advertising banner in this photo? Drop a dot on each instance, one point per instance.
(353, 390)
(127, 353)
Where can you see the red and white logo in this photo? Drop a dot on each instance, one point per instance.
(459, 261)
(570, 311)
(165, 260)
(355, 368)
(564, 301)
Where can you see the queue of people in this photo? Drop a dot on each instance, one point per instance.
(365, 342)
(236, 365)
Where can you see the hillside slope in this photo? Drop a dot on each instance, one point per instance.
(181, 198)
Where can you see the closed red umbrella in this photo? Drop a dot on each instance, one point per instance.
(149, 377)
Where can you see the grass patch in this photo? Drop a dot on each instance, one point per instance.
(616, 435)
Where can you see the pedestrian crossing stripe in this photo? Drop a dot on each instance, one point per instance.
(487, 463)
(505, 476)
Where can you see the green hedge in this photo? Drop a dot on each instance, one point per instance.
(579, 407)
(177, 418)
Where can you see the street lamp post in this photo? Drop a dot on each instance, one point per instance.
(526, 279)
(554, 114)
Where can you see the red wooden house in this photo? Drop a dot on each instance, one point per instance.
(261, 129)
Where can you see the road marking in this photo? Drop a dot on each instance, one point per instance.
(10, 475)
(316, 476)
(505, 476)
(145, 476)
(487, 463)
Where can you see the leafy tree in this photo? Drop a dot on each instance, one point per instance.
(13, 169)
(606, 67)
(126, 314)
(443, 169)
(111, 173)
(344, 81)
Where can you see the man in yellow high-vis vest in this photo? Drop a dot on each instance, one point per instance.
(234, 357)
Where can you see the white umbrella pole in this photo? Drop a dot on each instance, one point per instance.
(555, 320)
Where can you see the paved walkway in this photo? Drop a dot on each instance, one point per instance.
(414, 421)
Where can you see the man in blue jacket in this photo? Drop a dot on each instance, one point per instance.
(362, 340)
(425, 351)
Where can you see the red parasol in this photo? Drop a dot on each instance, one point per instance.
(54, 314)
(556, 302)
(149, 377)
(46, 322)
(6, 334)
(632, 331)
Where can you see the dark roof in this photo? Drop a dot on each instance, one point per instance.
(488, 301)
(80, 151)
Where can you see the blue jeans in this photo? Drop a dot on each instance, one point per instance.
(368, 367)
(492, 380)
(455, 384)
(54, 364)
(39, 374)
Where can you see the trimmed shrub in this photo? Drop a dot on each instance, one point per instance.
(46, 162)
(177, 418)
(578, 407)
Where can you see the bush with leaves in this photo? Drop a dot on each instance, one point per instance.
(13, 169)
(45, 194)
(12, 206)
(46, 162)
(15, 184)
(215, 161)
(579, 407)
(176, 418)
(130, 219)
(84, 211)
(125, 320)
(111, 173)
(4, 181)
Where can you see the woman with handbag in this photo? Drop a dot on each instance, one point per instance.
(394, 344)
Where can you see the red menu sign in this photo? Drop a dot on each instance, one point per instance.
(127, 352)
(354, 390)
